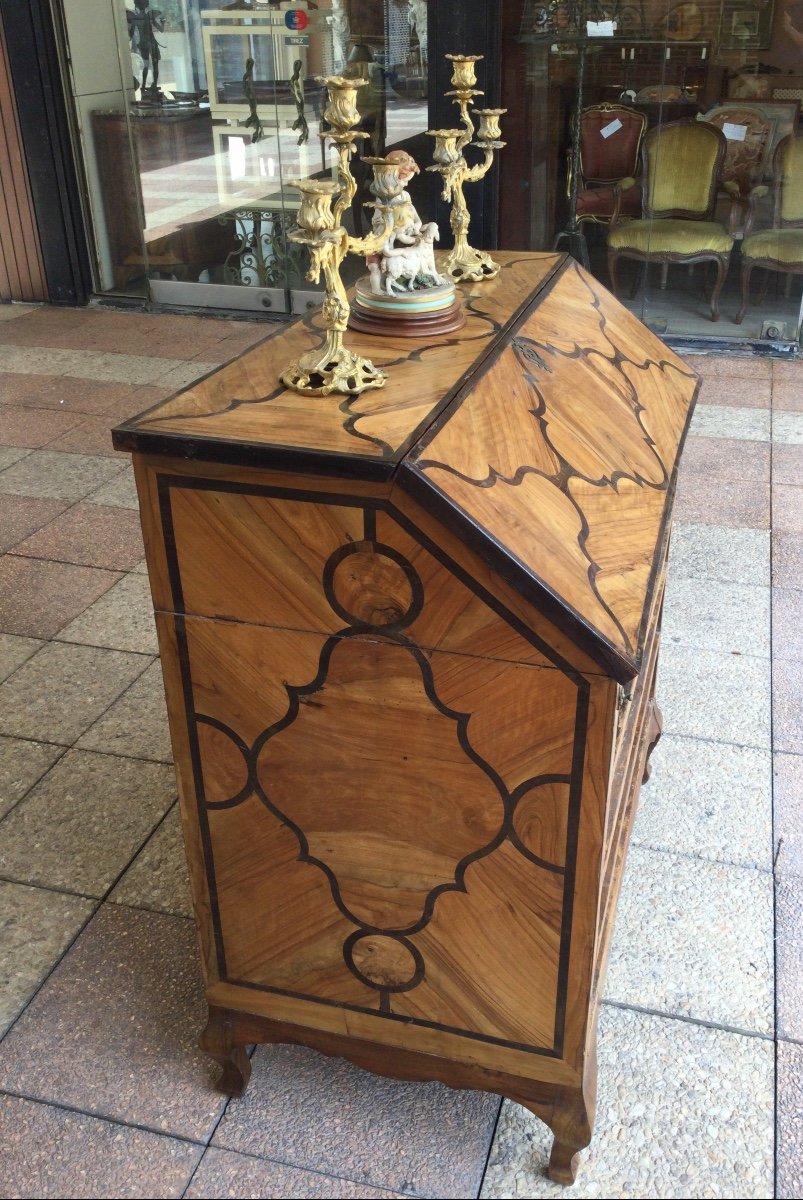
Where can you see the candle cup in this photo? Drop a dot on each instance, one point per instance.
(445, 151)
(489, 130)
(463, 73)
(341, 110)
(315, 214)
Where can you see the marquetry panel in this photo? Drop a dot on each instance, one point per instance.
(245, 403)
(572, 474)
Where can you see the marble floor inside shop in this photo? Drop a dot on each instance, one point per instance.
(104, 1093)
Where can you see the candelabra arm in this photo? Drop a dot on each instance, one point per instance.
(372, 243)
(348, 184)
(466, 121)
(473, 174)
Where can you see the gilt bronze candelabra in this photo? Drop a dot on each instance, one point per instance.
(332, 367)
(463, 261)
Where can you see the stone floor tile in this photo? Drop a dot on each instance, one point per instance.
(133, 402)
(48, 473)
(715, 553)
(787, 508)
(788, 395)
(79, 827)
(787, 464)
(725, 502)
(733, 618)
(50, 1153)
(136, 724)
(731, 366)
(724, 421)
(683, 1111)
(717, 390)
(88, 534)
(694, 939)
(708, 799)
(99, 365)
(38, 598)
(14, 651)
(787, 559)
(787, 428)
(788, 813)
(727, 458)
(789, 1168)
(8, 312)
(33, 428)
(787, 706)
(222, 1173)
(92, 436)
(24, 359)
(114, 1030)
(66, 394)
(182, 374)
(11, 454)
(21, 516)
(22, 764)
(786, 371)
(157, 878)
(36, 927)
(122, 619)
(787, 623)
(789, 955)
(120, 492)
(324, 1114)
(720, 697)
(62, 689)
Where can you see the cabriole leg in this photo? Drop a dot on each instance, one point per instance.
(219, 1041)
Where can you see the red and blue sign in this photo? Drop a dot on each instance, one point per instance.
(296, 18)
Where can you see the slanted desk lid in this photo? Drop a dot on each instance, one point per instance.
(558, 460)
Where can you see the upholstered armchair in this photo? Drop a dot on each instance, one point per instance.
(681, 169)
(610, 144)
(781, 247)
(747, 157)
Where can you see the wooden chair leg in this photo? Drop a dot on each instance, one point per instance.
(747, 271)
(664, 276)
(613, 260)
(722, 270)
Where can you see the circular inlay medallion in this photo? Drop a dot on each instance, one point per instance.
(384, 961)
(371, 584)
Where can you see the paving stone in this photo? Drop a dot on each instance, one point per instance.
(708, 799)
(720, 697)
(787, 507)
(62, 689)
(694, 938)
(788, 813)
(786, 372)
(92, 436)
(716, 390)
(182, 374)
(733, 618)
(136, 725)
(325, 1114)
(9, 312)
(789, 955)
(75, 395)
(727, 458)
(787, 463)
(22, 764)
(48, 473)
(22, 515)
(102, 808)
(122, 619)
(787, 428)
(723, 421)
(787, 559)
(114, 1030)
(14, 651)
(33, 427)
(88, 534)
(788, 395)
(730, 366)
(157, 878)
(725, 502)
(36, 927)
(11, 454)
(717, 553)
(789, 1174)
(38, 598)
(223, 1173)
(683, 1111)
(51, 1153)
(120, 492)
(787, 706)
(787, 623)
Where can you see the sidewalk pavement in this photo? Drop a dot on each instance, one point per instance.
(104, 1093)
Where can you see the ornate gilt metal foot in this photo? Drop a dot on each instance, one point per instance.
(344, 372)
(463, 265)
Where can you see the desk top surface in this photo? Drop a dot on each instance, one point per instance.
(546, 433)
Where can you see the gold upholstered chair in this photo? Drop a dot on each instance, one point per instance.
(681, 166)
(781, 247)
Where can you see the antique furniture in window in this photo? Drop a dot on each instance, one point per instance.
(409, 642)
(682, 163)
(610, 146)
(781, 247)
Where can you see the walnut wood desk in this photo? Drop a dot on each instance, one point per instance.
(409, 643)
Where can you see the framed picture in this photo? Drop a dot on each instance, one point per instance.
(746, 26)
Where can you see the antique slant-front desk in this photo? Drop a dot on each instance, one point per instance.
(409, 643)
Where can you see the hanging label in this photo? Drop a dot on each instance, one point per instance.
(600, 28)
(296, 18)
(612, 127)
(734, 133)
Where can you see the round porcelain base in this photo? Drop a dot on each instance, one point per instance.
(422, 313)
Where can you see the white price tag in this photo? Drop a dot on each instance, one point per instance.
(600, 28)
(611, 128)
(734, 133)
